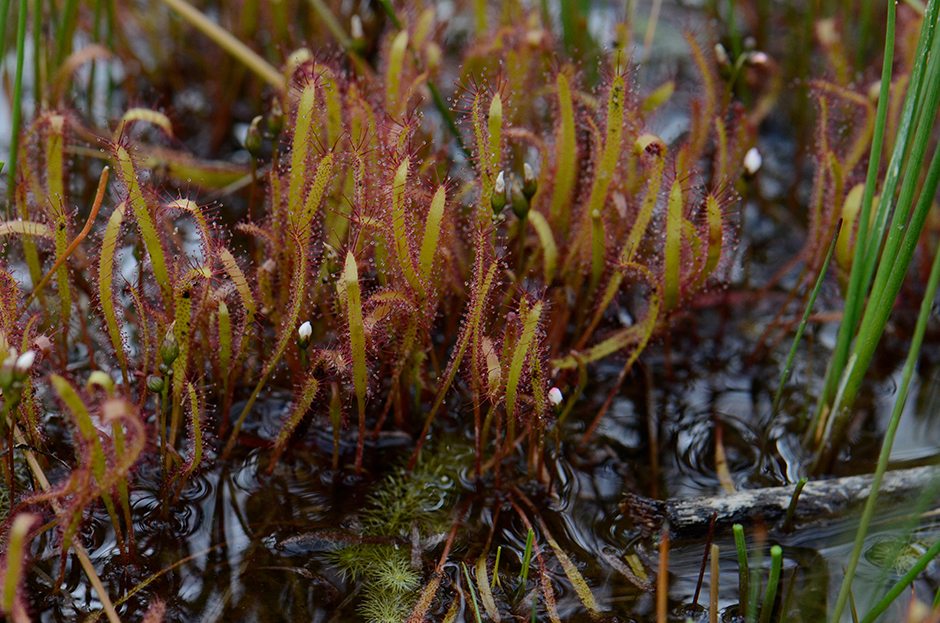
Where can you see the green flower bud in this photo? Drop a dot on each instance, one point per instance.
(170, 349)
(520, 203)
(530, 183)
(276, 118)
(253, 137)
(155, 383)
(498, 198)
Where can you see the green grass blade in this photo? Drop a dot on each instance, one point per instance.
(473, 594)
(526, 559)
(776, 563)
(229, 43)
(899, 250)
(744, 572)
(869, 243)
(805, 320)
(887, 444)
(902, 584)
(17, 102)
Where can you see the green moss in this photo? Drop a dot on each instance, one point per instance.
(389, 580)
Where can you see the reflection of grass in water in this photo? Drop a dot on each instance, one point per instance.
(396, 504)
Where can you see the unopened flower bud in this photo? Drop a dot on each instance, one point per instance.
(355, 27)
(721, 55)
(498, 198)
(102, 379)
(520, 203)
(6, 370)
(276, 118)
(554, 396)
(303, 335)
(253, 137)
(530, 183)
(170, 349)
(757, 58)
(357, 37)
(752, 161)
(155, 383)
(23, 363)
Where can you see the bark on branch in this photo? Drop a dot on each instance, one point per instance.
(820, 501)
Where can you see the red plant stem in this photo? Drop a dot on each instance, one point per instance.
(99, 196)
(662, 577)
(708, 547)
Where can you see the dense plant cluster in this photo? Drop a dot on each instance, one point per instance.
(398, 261)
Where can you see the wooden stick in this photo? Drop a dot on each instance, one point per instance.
(820, 501)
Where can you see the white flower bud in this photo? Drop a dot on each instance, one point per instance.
(752, 161)
(6, 370)
(303, 334)
(722, 55)
(529, 183)
(758, 58)
(355, 27)
(554, 395)
(23, 363)
(500, 186)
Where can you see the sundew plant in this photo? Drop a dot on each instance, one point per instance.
(418, 223)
